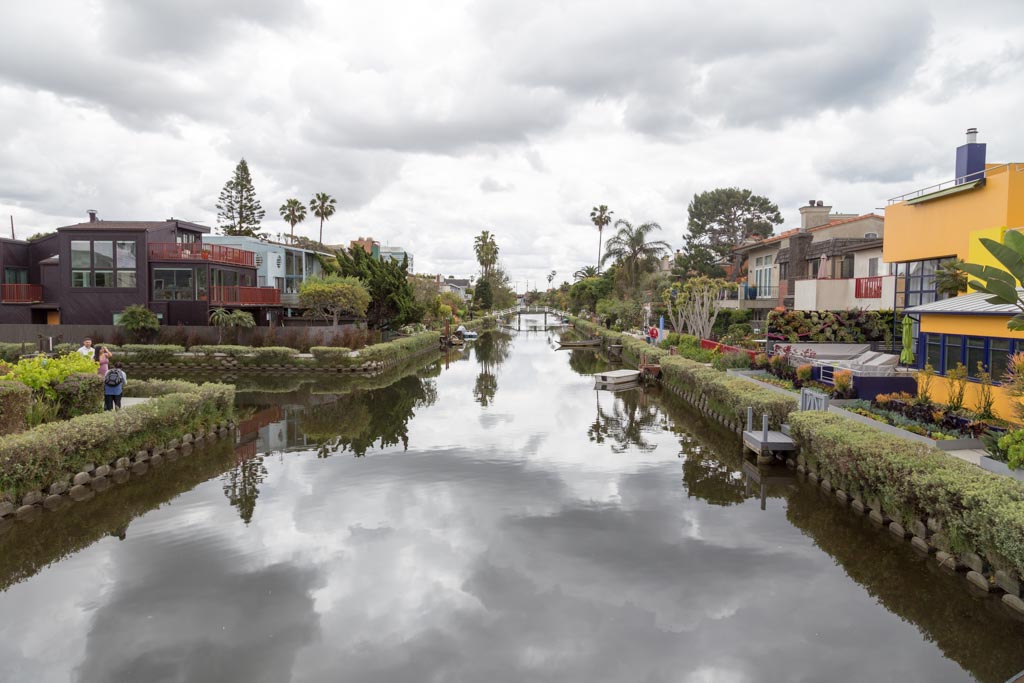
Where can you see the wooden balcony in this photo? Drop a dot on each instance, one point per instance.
(217, 253)
(245, 296)
(869, 287)
(21, 294)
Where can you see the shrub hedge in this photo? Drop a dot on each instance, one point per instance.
(10, 352)
(15, 399)
(330, 355)
(34, 459)
(152, 353)
(79, 394)
(978, 511)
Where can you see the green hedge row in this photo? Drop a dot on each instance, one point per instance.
(80, 393)
(15, 400)
(978, 511)
(34, 459)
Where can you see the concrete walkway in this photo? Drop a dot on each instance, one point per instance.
(126, 401)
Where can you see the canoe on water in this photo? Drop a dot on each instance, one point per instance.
(584, 344)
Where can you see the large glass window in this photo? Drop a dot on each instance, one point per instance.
(999, 353)
(15, 276)
(934, 352)
(975, 354)
(173, 284)
(81, 254)
(954, 342)
(99, 263)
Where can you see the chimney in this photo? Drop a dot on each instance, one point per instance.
(814, 214)
(92, 215)
(970, 159)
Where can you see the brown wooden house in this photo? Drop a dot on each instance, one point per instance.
(89, 272)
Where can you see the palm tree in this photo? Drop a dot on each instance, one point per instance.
(486, 249)
(551, 276)
(630, 246)
(223, 319)
(585, 272)
(322, 206)
(950, 280)
(293, 212)
(600, 216)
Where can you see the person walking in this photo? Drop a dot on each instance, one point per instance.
(653, 334)
(103, 358)
(113, 387)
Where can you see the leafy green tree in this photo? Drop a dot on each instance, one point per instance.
(238, 210)
(293, 212)
(722, 218)
(486, 249)
(322, 206)
(694, 307)
(236, 319)
(483, 297)
(332, 296)
(600, 216)
(697, 259)
(1002, 283)
(585, 294)
(392, 300)
(630, 247)
(950, 278)
(139, 322)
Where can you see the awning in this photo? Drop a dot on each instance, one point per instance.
(966, 304)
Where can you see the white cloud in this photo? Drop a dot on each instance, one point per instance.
(430, 122)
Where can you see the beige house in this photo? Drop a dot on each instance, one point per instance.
(831, 262)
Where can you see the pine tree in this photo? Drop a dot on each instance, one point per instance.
(238, 210)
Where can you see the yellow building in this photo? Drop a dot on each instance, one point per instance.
(926, 227)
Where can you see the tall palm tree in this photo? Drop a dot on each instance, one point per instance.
(293, 212)
(585, 272)
(486, 249)
(600, 216)
(551, 276)
(630, 245)
(322, 206)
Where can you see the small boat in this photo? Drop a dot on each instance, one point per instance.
(615, 388)
(613, 377)
(469, 335)
(581, 344)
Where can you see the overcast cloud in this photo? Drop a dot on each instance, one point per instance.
(432, 121)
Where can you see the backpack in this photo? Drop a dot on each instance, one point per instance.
(113, 378)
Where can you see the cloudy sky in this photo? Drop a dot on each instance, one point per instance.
(432, 121)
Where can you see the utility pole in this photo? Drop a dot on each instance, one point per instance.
(12, 226)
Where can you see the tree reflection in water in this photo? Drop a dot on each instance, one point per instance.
(242, 486)
(631, 417)
(368, 419)
(491, 350)
(586, 362)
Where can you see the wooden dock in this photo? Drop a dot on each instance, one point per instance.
(765, 442)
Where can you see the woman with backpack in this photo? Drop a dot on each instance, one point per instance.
(113, 387)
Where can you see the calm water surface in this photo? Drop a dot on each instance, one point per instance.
(488, 518)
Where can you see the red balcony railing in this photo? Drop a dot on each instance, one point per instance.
(218, 253)
(21, 294)
(869, 287)
(251, 296)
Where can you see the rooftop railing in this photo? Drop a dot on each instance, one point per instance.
(218, 253)
(963, 180)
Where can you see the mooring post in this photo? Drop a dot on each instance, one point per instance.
(764, 428)
(750, 418)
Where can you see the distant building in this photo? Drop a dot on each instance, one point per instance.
(89, 272)
(281, 266)
(397, 254)
(456, 286)
(369, 245)
(831, 262)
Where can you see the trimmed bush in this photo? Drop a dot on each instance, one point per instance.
(15, 399)
(10, 352)
(148, 388)
(978, 511)
(273, 354)
(732, 359)
(331, 355)
(79, 394)
(152, 353)
(233, 350)
(34, 459)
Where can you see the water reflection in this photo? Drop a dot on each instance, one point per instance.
(491, 350)
(631, 416)
(512, 548)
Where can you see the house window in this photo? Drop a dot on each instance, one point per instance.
(103, 264)
(185, 238)
(173, 284)
(783, 271)
(763, 276)
(15, 276)
(846, 267)
(944, 351)
(873, 267)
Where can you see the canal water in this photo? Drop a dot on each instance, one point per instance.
(483, 517)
